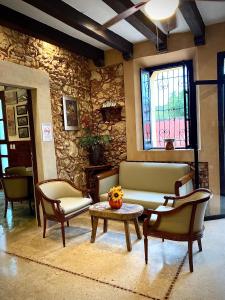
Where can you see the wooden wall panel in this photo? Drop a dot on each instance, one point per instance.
(21, 155)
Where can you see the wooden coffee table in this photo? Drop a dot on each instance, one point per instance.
(128, 212)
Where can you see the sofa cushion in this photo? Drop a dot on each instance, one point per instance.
(71, 204)
(146, 199)
(148, 176)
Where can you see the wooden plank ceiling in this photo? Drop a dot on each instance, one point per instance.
(81, 22)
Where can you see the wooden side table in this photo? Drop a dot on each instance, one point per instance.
(128, 212)
(90, 173)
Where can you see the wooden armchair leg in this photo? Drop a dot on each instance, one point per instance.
(6, 207)
(44, 228)
(63, 234)
(30, 206)
(200, 245)
(146, 249)
(190, 254)
(68, 224)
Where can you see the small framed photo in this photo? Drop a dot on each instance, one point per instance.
(10, 116)
(22, 121)
(10, 97)
(21, 110)
(70, 113)
(23, 132)
(22, 95)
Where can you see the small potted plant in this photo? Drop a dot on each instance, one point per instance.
(115, 197)
(93, 142)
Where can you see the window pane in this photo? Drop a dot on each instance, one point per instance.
(1, 115)
(3, 149)
(145, 95)
(163, 110)
(2, 133)
(5, 163)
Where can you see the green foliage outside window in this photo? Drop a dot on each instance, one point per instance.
(174, 109)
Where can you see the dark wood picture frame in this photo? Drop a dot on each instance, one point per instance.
(23, 132)
(22, 121)
(21, 110)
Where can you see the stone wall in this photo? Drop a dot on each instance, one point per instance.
(203, 170)
(108, 84)
(69, 75)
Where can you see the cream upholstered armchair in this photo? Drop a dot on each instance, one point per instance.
(181, 222)
(61, 201)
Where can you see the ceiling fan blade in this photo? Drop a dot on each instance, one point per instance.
(169, 24)
(125, 14)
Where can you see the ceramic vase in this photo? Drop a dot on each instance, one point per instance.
(169, 144)
(115, 204)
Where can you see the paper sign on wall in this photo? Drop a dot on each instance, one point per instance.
(46, 132)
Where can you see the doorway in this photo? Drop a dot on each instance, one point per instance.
(17, 139)
(221, 124)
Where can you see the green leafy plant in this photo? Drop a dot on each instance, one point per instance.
(90, 141)
(91, 138)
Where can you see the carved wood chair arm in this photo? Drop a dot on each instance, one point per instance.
(181, 181)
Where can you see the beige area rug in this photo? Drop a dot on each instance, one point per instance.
(107, 260)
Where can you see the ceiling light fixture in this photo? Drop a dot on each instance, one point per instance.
(161, 9)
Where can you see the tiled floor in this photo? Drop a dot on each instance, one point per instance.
(105, 269)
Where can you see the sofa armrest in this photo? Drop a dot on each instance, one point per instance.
(106, 180)
(184, 182)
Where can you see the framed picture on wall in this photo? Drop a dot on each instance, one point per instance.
(23, 132)
(22, 121)
(21, 110)
(70, 113)
(11, 122)
(10, 97)
(22, 95)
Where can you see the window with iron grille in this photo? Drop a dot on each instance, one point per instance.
(168, 105)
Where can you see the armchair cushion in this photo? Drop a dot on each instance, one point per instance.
(144, 198)
(72, 204)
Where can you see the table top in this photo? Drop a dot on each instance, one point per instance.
(126, 212)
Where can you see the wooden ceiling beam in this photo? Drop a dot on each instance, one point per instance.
(17, 21)
(72, 17)
(142, 23)
(194, 20)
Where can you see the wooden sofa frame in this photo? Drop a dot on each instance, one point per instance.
(179, 183)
